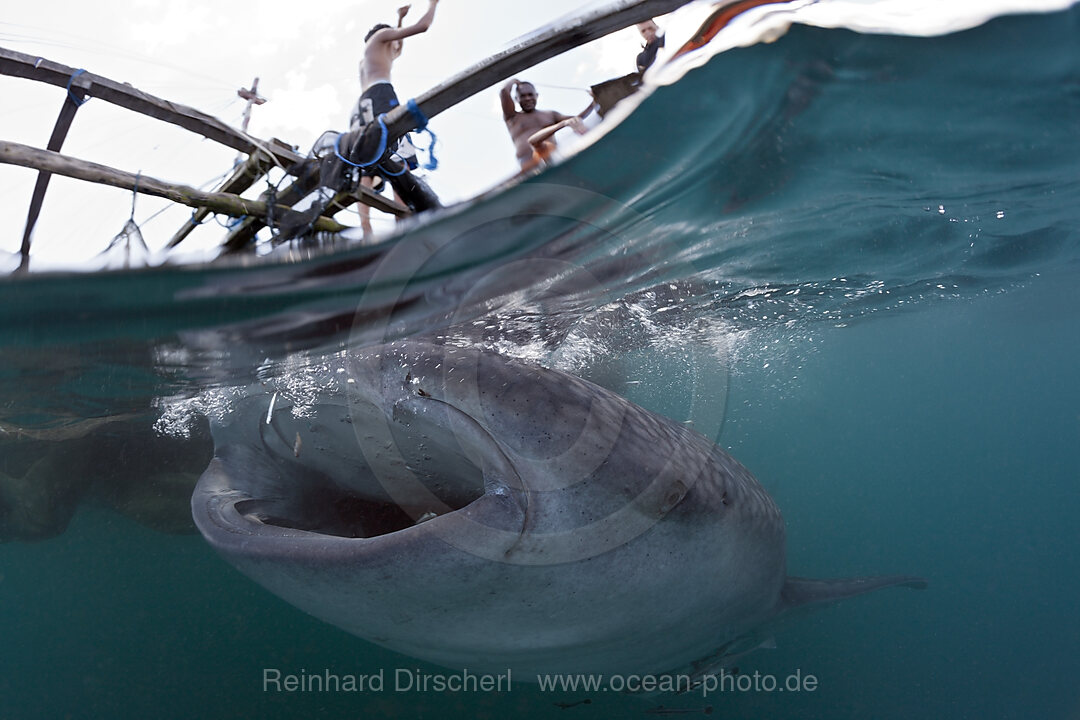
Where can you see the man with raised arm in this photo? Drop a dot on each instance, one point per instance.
(524, 124)
(382, 45)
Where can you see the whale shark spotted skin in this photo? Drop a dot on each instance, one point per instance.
(482, 512)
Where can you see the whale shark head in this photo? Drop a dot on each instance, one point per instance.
(478, 511)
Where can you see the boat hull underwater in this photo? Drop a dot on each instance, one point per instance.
(483, 512)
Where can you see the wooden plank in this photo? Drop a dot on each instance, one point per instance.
(543, 46)
(18, 64)
(72, 100)
(343, 200)
(370, 198)
(234, 205)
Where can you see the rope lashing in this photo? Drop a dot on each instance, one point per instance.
(417, 113)
(75, 98)
(377, 156)
(386, 170)
(422, 124)
(378, 153)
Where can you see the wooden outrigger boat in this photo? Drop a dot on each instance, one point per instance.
(262, 155)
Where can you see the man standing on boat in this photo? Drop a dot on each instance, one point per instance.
(523, 125)
(382, 45)
(654, 40)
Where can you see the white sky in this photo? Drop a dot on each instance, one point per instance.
(306, 57)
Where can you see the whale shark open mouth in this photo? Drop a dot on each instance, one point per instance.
(327, 482)
(340, 513)
(327, 508)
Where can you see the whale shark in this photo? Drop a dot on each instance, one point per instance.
(483, 512)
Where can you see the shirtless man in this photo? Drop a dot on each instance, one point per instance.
(523, 125)
(382, 46)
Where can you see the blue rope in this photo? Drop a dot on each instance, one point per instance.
(422, 124)
(433, 162)
(404, 167)
(378, 154)
(233, 222)
(75, 98)
(420, 118)
(417, 114)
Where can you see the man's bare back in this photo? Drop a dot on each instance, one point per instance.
(378, 60)
(383, 46)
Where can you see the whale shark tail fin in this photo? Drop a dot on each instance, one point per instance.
(801, 592)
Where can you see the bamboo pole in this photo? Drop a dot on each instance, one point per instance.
(224, 203)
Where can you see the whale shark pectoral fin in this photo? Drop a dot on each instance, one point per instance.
(799, 592)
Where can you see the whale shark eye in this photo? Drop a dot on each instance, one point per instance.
(673, 497)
